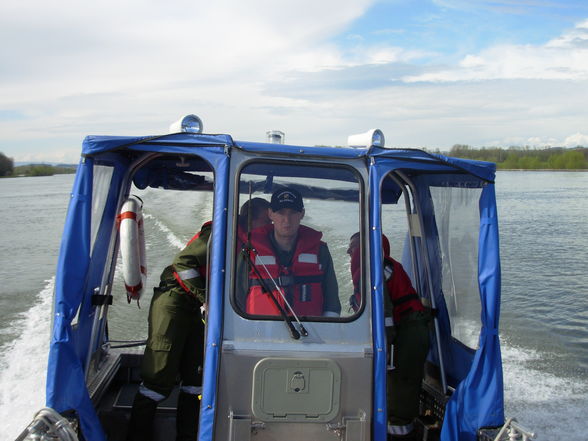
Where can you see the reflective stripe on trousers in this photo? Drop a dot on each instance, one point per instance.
(192, 390)
(155, 396)
(400, 430)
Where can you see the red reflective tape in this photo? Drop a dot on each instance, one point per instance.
(125, 215)
(196, 236)
(128, 215)
(182, 284)
(134, 290)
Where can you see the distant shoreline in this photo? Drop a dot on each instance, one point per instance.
(35, 176)
(544, 169)
(32, 170)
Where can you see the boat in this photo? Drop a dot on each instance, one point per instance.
(268, 377)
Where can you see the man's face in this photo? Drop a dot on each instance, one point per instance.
(286, 221)
(353, 244)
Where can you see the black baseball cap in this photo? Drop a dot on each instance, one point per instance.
(286, 198)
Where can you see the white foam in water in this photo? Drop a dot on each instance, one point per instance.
(553, 407)
(171, 237)
(23, 366)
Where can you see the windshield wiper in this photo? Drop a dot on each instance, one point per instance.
(294, 333)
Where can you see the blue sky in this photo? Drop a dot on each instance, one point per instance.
(429, 73)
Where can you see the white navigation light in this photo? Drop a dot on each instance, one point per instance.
(188, 123)
(373, 137)
(275, 136)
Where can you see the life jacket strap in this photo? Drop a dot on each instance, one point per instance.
(288, 280)
(404, 299)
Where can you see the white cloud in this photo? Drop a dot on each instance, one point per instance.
(576, 37)
(72, 68)
(149, 43)
(575, 140)
(131, 68)
(563, 58)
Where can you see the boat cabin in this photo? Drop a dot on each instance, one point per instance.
(302, 373)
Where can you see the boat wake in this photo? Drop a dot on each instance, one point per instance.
(23, 366)
(173, 240)
(554, 407)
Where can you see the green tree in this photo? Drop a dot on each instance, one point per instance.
(530, 163)
(6, 165)
(511, 161)
(574, 160)
(41, 170)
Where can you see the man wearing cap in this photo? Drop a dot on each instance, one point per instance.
(297, 260)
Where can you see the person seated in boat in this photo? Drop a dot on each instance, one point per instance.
(407, 335)
(253, 214)
(175, 343)
(292, 257)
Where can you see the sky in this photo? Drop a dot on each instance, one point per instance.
(428, 73)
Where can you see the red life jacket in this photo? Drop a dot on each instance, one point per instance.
(201, 270)
(301, 282)
(403, 296)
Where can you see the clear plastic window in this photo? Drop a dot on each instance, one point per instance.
(293, 232)
(102, 175)
(458, 223)
(171, 217)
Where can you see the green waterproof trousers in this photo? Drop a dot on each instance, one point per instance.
(411, 346)
(175, 345)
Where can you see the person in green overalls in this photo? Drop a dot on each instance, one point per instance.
(175, 343)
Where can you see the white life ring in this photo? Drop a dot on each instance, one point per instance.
(132, 247)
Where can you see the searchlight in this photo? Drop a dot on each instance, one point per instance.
(189, 124)
(373, 137)
(275, 136)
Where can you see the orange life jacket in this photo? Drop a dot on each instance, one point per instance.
(300, 282)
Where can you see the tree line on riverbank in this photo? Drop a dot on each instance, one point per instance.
(522, 158)
(7, 168)
(525, 158)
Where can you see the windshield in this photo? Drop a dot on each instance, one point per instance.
(293, 242)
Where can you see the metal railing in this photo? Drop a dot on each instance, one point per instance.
(49, 425)
(510, 431)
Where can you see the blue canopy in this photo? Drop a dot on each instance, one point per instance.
(76, 276)
(478, 399)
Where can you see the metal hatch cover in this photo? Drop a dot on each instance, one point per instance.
(296, 390)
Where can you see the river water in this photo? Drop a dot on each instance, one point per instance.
(544, 315)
